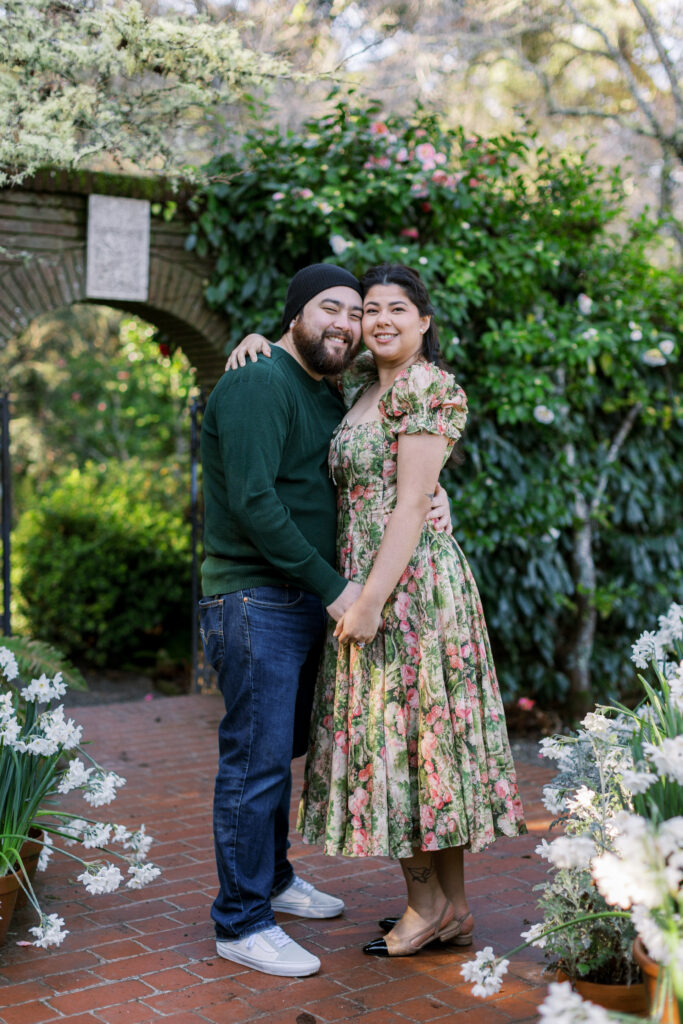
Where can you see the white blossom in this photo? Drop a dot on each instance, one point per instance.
(74, 777)
(671, 625)
(107, 879)
(140, 842)
(142, 874)
(651, 934)
(596, 724)
(646, 649)
(585, 304)
(64, 732)
(542, 414)
(46, 851)
(101, 788)
(582, 802)
(635, 871)
(666, 346)
(667, 757)
(568, 851)
(338, 244)
(50, 931)
(96, 835)
(8, 664)
(120, 834)
(564, 1006)
(44, 689)
(485, 971)
(72, 830)
(535, 936)
(637, 782)
(9, 729)
(653, 357)
(553, 800)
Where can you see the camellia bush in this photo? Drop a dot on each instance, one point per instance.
(553, 317)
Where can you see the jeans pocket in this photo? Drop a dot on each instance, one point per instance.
(280, 598)
(211, 630)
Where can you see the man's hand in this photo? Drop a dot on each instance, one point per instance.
(349, 594)
(440, 512)
(249, 346)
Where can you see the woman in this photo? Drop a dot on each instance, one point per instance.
(408, 754)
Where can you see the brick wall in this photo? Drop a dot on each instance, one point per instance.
(43, 228)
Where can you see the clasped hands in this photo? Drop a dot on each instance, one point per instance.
(357, 619)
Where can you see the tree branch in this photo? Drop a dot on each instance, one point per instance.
(662, 53)
(613, 451)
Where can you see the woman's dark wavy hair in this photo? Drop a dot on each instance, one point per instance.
(414, 287)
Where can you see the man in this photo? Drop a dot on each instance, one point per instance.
(270, 511)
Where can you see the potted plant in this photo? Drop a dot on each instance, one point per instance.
(617, 872)
(41, 758)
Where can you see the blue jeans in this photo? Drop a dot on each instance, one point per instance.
(265, 644)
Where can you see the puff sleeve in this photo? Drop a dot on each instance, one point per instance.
(358, 375)
(425, 399)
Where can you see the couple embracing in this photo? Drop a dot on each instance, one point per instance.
(344, 622)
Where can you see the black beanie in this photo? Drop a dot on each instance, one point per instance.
(310, 281)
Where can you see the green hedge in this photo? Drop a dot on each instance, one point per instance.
(104, 564)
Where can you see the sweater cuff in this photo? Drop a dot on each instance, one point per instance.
(330, 585)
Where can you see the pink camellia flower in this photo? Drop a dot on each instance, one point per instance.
(379, 128)
(402, 155)
(440, 177)
(410, 233)
(277, 196)
(425, 153)
(526, 703)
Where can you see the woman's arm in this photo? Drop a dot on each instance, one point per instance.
(419, 461)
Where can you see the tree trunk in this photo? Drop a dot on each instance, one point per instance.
(581, 645)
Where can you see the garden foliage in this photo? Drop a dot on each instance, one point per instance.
(555, 320)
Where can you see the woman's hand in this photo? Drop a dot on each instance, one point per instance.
(440, 512)
(359, 624)
(249, 346)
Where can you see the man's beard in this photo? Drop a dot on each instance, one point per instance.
(311, 348)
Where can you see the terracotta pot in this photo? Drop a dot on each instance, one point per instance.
(650, 969)
(8, 898)
(30, 852)
(623, 998)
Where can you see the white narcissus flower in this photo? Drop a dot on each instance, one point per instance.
(553, 801)
(486, 972)
(44, 689)
(564, 1006)
(638, 782)
(9, 730)
(667, 757)
(140, 842)
(651, 934)
(63, 732)
(74, 777)
(637, 871)
(106, 879)
(46, 851)
(647, 648)
(120, 834)
(96, 835)
(8, 665)
(50, 931)
(142, 874)
(72, 830)
(568, 851)
(101, 788)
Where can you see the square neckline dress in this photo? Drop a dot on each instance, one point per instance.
(408, 746)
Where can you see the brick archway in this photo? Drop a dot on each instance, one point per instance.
(43, 231)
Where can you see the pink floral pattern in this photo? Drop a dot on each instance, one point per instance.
(408, 741)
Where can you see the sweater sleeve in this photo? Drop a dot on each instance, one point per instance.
(252, 423)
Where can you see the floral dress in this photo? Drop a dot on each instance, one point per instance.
(408, 742)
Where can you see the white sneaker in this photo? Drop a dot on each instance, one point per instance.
(270, 951)
(302, 899)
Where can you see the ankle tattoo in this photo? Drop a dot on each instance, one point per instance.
(422, 875)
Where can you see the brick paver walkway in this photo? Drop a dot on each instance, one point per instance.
(134, 957)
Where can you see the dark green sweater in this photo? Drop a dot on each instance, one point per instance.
(270, 506)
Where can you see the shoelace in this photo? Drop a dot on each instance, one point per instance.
(274, 935)
(302, 885)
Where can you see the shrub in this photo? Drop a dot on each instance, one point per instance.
(104, 564)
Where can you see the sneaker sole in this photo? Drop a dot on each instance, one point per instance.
(298, 911)
(280, 970)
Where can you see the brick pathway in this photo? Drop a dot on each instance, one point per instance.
(134, 957)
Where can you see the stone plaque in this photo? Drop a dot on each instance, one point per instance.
(118, 248)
